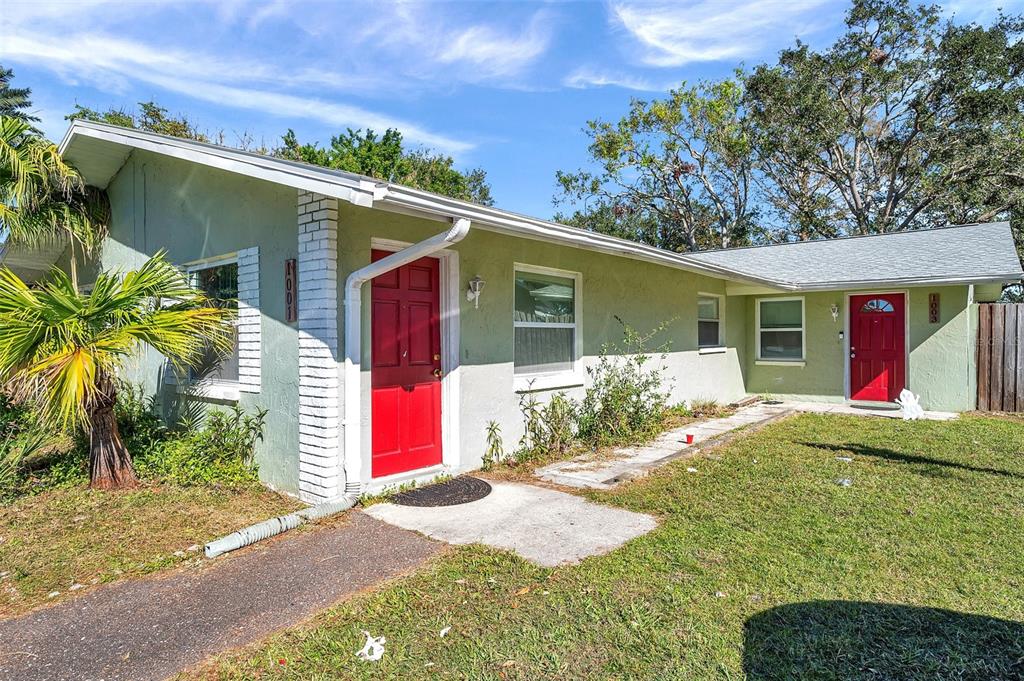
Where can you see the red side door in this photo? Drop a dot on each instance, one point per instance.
(405, 367)
(877, 347)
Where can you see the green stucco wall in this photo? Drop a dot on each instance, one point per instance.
(941, 362)
(643, 295)
(197, 213)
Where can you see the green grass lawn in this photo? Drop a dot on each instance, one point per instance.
(57, 539)
(763, 567)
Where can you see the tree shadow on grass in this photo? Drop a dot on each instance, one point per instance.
(900, 457)
(859, 640)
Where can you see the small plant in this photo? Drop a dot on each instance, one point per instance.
(549, 428)
(705, 408)
(495, 449)
(221, 452)
(627, 398)
(625, 401)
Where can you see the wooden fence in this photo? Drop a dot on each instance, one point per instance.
(1001, 357)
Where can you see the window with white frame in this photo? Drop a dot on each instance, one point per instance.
(545, 321)
(709, 321)
(219, 281)
(780, 329)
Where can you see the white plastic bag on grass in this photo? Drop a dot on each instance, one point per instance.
(910, 404)
(374, 648)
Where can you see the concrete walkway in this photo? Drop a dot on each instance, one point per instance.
(543, 525)
(155, 627)
(886, 411)
(628, 463)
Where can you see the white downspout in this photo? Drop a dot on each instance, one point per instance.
(354, 338)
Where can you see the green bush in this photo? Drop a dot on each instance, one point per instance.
(220, 452)
(23, 440)
(626, 401)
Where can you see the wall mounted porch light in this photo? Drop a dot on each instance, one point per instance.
(476, 286)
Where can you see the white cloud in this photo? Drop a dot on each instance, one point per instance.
(674, 34)
(584, 78)
(110, 64)
(495, 53)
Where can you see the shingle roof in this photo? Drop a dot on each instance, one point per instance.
(965, 253)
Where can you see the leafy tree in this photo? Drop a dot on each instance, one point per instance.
(150, 117)
(685, 163)
(906, 121)
(15, 100)
(385, 158)
(61, 348)
(42, 198)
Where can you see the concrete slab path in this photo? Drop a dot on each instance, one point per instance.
(628, 463)
(886, 411)
(155, 627)
(543, 525)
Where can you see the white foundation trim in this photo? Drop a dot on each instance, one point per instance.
(321, 473)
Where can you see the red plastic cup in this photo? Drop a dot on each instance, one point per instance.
(689, 438)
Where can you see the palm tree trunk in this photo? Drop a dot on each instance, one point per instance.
(110, 464)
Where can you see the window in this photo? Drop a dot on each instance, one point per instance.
(780, 329)
(709, 321)
(545, 321)
(220, 283)
(877, 305)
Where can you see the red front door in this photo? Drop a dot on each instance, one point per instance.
(406, 368)
(877, 347)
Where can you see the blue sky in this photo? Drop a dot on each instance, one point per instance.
(505, 86)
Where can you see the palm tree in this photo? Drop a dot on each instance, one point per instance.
(43, 198)
(14, 100)
(62, 349)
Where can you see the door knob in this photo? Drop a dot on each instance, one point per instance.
(438, 373)
(853, 354)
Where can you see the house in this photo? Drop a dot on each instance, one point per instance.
(383, 327)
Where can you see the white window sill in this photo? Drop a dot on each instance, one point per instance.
(712, 350)
(780, 362)
(525, 383)
(211, 390)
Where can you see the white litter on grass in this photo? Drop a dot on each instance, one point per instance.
(374, 648)
(76, 587)
(691, 469)
(53, 594)
(444, 632)
(910, 404)
(844, 482)
(847, 459)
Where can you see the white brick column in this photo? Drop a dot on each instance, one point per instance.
(249, 320)
(321, 472)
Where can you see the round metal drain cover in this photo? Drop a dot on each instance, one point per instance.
(461, 490)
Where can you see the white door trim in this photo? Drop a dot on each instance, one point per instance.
(847, 388)
(448, 296)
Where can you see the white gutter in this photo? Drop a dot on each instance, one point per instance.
(354, 337)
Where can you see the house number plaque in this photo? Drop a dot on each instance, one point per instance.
(291, 299)
(933, 308)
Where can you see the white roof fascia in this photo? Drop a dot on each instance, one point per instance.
(370, 193)
(353, 189)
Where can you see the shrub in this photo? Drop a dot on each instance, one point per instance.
(221, 452)
(626, 398)
(549, 428)
(625, 401)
